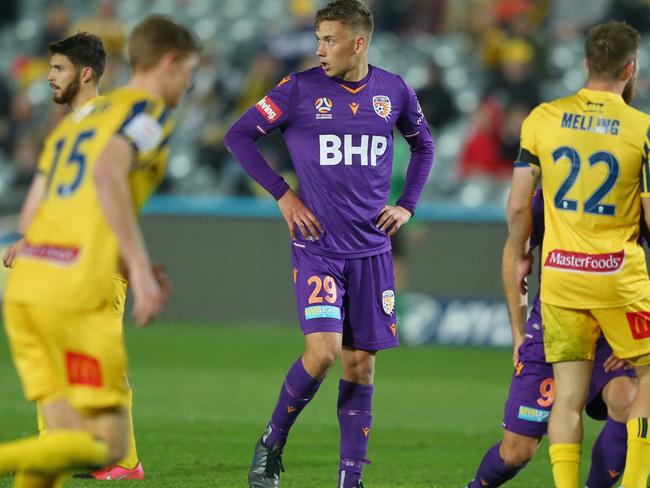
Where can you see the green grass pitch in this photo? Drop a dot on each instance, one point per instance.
(203, 395)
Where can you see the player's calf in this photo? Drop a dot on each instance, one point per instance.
(504, 460)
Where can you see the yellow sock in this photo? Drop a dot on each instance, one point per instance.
(34, 480)
(565, 459)
(56, 452)
(130, 461)
(637, 462)
(39, 418)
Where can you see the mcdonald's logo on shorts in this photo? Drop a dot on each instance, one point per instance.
(639, 324)
(83, 370)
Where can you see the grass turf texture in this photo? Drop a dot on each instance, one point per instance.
(203, 395)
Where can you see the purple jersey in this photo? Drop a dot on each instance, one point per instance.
(340, 138)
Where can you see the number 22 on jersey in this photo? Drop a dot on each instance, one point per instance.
(68, 171)
(593, 204)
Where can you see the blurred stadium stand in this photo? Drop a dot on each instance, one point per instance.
(478, 65)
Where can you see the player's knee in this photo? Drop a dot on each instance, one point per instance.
(320, 360)
(619, 397)
(519, 453)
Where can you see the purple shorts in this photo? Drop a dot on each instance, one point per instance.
(354, 297)
(532, 390)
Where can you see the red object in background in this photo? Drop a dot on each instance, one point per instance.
(506, 10)
(481, 153)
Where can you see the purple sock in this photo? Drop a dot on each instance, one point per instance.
(297, 391)
(493, 471)
(355, 419)
(608, 455)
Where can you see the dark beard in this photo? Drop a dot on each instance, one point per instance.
(69, 93)
(629, 90)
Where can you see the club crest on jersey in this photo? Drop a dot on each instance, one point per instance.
(323, 107)
(382, 106)
(388, 301)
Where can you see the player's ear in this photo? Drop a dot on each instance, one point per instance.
(361, 44)
(628, 71)
(86, 74)
(173, 57)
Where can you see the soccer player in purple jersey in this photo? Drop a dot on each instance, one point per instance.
(337, 120)
(528, 407)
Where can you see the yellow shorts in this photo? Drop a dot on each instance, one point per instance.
(72, 354)
(571, 334)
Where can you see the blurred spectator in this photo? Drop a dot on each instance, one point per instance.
(106, 25)
(26, 135)
(295, 43)
(511, 131)
(426, 16)
(209, 91)
(5, 117)
(57, 23)
(262, 76)
(481, 152)
(569, 19)
(515, 82)
(389, 15)
(436, 101)
(634, 12)
(8, 12)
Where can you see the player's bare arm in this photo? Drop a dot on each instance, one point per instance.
(30, 205)
(111, 177)
(520, 218)
(159, 272)
(515, 301)
(392, 218)
(296, 213)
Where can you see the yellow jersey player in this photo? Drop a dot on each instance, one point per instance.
(591, 151)
(76, 66)
(107, 158)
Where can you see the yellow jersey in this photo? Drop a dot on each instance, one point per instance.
(593, 152)
(71, 253)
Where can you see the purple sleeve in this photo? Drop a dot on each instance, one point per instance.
(415, 130)
(537, 234)
(268, 114)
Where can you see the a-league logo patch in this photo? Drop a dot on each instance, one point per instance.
(323, 107)
(388, 301)
(382, 106)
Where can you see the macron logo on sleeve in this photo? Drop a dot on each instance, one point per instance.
(269, 109)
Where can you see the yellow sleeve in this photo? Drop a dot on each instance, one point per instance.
(528, 154)
(645, 168)
(45, 158)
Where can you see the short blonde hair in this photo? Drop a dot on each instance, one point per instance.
(155, 36)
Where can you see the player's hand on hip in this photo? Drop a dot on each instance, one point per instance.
(295, 213)
(148, 298)
(612, 363)
(392, 218)
(12, 251)
(165, 284)
(523, 268)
